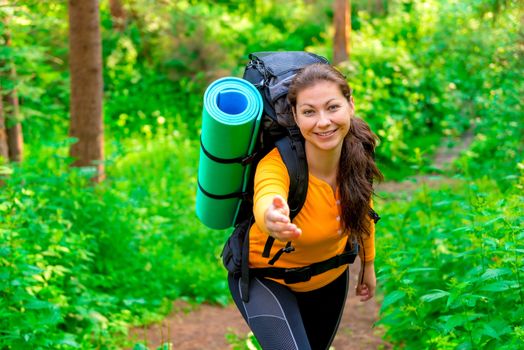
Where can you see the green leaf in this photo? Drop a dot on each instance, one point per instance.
(392, 298)
(5, 251)
(458, 320)
(500, 326)
(437, 294)
(422, 269)
(494, 273)
(498, 286)
(39, 305)
(492, 221)
(490, 331)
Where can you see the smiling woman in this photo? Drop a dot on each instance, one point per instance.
(288, 314)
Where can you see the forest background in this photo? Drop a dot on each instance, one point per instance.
(82, 262)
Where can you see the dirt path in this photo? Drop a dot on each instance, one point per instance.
(205, 326)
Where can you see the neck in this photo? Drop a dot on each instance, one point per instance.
(323, 164)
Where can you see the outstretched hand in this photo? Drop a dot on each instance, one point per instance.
(277, 221)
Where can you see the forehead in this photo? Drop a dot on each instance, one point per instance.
(319, 92)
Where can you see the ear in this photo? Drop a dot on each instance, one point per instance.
(351, 106)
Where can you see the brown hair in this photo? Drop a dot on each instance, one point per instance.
(357, 167)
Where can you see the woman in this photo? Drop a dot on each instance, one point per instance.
(339, 147)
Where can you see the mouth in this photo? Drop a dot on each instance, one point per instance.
(326, 133)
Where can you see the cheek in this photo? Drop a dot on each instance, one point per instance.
(302, 122)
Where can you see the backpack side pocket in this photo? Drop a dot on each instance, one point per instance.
(232, 251)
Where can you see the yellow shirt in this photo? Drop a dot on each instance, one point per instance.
(319, 221)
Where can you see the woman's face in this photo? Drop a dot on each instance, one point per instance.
(323, 115)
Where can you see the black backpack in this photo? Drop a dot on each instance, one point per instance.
(271, 73)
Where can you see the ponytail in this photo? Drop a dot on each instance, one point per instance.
(356, 172)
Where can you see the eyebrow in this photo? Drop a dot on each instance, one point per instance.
(308, 104)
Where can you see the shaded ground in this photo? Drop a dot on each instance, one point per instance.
(206, 326)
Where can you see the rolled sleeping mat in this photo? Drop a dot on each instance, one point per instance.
(230, 122)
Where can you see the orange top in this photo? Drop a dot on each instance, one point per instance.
(319, 221)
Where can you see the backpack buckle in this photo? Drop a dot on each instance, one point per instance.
(297, 274)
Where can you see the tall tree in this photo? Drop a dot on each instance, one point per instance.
(86, 85)
(342, 25)
(4, 151)
(15, 136)
(11, 108)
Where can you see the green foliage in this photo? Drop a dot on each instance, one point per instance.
(249, 342)
(160, 64)
(452, 267)
(500, 131)
(38, 53)
(79, 263)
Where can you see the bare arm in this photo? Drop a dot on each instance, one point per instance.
(366, 284)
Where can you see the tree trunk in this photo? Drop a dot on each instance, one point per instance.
(342, 24)
(118, 14)
(15, 137)
(4, 151)
(11, 109)
(86, 85)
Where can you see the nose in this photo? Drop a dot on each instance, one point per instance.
(324, 119)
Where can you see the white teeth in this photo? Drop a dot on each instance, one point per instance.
(325, 133)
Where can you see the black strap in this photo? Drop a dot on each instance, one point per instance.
(287, 249)
(303, 274)
(363, 261)
(241, 195)
(267, 247)
(291, 149)
(244, 268)
(374, 215)
(243, 160)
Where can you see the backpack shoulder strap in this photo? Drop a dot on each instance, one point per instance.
(291, 149)
(293, 153)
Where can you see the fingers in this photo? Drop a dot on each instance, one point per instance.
(365, 292)
(277, 221)
(367, 281)
(284, 232)
(275, 216)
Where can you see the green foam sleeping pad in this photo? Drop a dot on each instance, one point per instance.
(231, 117)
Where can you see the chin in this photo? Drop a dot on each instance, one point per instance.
(329, 147)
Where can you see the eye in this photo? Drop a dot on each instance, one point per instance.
(308, 112)
(333, 108)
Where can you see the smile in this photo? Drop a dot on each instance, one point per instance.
(326, 133)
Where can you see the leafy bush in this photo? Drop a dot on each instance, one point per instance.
(452, 268)
(78, 264)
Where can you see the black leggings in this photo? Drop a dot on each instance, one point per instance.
(285, 320)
